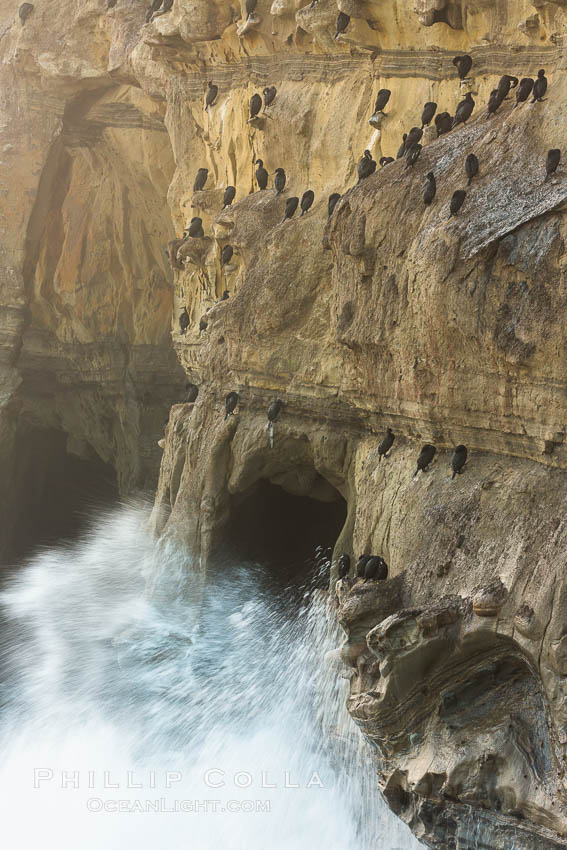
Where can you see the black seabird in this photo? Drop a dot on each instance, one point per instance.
(343, 21)
(386, 160)
(429, 111)
(270, 93)
(333, 201)
(443, 123)
(505, 84)
(553, 160)
(386, 444)
(274, 411)
(279, 180)
(366, 166)
(200, 179)
(230, 404)
(25, 11)
(524, 90)
(457, 201)
(430, 189)
(203, 325)
(229, 196)
(361, 565)
(195, 230)
(382, 99)
(458, 460)
(307, 201)
(192, 393)
(250, 7)
(412, 155)
(226, 255)
(225, 296)
(402, 148)
(376, 569)
(413, 137)
(426, 455)
(212, 93)
(471, 167)
(184, 320)
(261, 174)
(290, 207)
(464, 110)
(540, 86)
(255, 106)
(463, 64)
(494, 102)
(344, 565)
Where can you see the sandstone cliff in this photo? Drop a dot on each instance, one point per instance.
(386, 315)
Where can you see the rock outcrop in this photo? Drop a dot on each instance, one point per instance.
(388, 314)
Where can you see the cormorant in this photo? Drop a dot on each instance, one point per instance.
(290, 208)
(344, 565)
(270, 93)
(25, 11)
(429, 111)
(230, 404)
(225, 296)
(386, 444)
(426, 455)
(366, 166)
(307, 201)
(376, 568)
(255, 106)
(430, 189)
(203, 325)
(464, 110)
(274, 411)
(226, 255)
(402, 148)
(250, 7)
(457, 201)
(195, 230)
(192, 393)
(382, 99)
(212, 92)
(505, 84)
(386, 160)
(413, 137)
(553, 160)
(333, 201)
(361, 565)
(524, 90)
(494, 102)
(540, 86)
(229, 196)
(458, 460)
(200, 179)
(471, 167)
(412, 155)
(279, 180)
(463, 64)
(261, 174)
(342, 23)
(443, 123)
(184, 320)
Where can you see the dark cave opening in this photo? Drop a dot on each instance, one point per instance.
(55, 493)
(292, 534)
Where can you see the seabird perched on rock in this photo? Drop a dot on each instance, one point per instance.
(553, 160)
(290, 207)
(343, 565)
(413, 137)
(25, 11)
(366, 166)
(279, 180)
(412, 155)
(255, 106)
(203, 325)
(250, 7)
(307, 201)
(229, 196)
(184, 320)
(494, 102)
(464, 110)
(195, 230)
(261, 174)
(211, 95)
(386, 160)
(226, 255)
(376, 569)
(386, 444)
(274, 411)
(225, 296)
(458, 460)
(382, 99)
(270, 93)
(430, 189)
(471, 167)
(463, 64)
(402, 148)
(540, 86)
(505, 84)
(361, 565)
(457, 201)
(426, 455)
(524, 90)
(343, 21)
(200, 179)
(333, 201)
(429, 111)
(230, 404)
(443, 123)
(192, 393)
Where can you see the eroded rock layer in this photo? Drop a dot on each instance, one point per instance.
(387, 314)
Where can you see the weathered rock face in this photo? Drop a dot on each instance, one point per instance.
(388, 314)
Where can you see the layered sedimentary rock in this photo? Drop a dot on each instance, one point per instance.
(388, 314)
